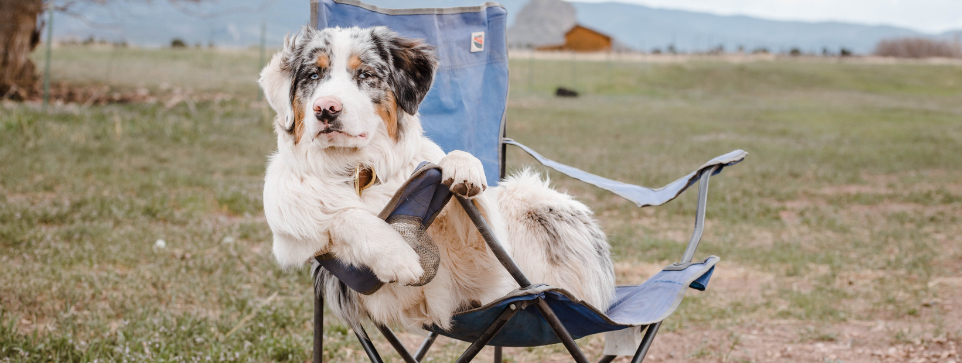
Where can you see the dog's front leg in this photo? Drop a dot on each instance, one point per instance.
(362, 239)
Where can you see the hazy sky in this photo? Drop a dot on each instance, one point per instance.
(931, 16)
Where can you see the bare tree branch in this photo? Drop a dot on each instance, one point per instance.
(91, 23)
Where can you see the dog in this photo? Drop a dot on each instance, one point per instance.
(346, 99)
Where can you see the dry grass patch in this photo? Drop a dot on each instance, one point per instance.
(846, 212)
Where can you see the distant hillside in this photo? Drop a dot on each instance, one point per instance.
(639, 27)
(235, 23)
(954, 35)
(645, 28)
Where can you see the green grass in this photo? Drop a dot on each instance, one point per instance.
(232, 71)
(846, 199)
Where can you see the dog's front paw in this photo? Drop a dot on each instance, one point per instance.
(403, 267)
(463, 174)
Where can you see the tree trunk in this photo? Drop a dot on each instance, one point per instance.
(19, 35)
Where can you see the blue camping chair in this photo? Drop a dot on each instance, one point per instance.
(465, 111)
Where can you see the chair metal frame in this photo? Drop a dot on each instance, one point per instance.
(472, 351)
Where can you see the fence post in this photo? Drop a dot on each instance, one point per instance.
(531, 70)
(46, 67)
(260, 63)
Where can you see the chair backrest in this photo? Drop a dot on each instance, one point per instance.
(466, 106)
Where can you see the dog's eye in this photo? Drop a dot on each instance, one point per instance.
(315, 76)
(365, 75)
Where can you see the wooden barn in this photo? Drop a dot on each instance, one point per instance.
(582, 39)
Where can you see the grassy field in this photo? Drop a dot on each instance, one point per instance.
(838, 235)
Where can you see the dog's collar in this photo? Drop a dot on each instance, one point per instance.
(364, 177)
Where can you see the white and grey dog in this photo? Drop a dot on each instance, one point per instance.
(348, 99)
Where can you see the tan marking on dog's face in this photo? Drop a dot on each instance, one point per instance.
(387, 109)
(298, 108)
(354, 62)
(323, 61)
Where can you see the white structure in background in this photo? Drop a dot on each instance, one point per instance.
(542, 22)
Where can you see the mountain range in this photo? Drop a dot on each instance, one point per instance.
(237, 23)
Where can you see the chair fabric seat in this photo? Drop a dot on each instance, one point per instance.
(648, 303)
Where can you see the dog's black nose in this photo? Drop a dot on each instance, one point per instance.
(326, 116)
(327, 108)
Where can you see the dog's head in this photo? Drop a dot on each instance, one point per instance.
(344, 87)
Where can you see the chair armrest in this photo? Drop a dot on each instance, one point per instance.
(641, 196)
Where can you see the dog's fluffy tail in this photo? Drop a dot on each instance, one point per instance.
(555, 239)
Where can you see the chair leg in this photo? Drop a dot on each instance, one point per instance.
(396, 343)
(646, 343)
(497, 354)
(368, 347)
(488, 334)
(318, 327)
(425, 345)
(562, 333)
(607, 358)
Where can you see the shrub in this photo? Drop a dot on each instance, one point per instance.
(178, 43)
(918, 48)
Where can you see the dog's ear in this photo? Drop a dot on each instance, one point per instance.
(412, 63)
(276, 79)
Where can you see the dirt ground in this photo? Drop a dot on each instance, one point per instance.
(767, 340)
(796, 341)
